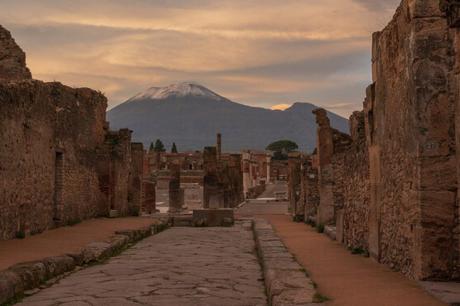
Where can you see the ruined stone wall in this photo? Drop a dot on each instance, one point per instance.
(309, 189)
(50, 135)
(296, 208)
(410, 112)
(352, 219)
(59, 164)
(213, 192)
(116, 160)
(279, 170)
(332, 146)
(233, 179)
(392, 187)
(12, 59)
(135, 192)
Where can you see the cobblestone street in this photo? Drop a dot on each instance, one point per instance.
(181, 266)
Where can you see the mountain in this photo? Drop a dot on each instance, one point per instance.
(190, 115)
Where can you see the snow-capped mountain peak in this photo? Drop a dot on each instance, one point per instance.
(176, 90)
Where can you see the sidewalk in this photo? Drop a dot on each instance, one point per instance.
(348, 280)
(65, 240)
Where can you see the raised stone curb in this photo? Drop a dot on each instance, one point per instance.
(286, 281)
(18, 279)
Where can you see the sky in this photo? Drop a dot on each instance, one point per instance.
(266, 53)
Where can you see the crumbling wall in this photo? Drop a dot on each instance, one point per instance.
(59, 164)
(135, 191)
(352, 220)
(213, 193)
(12, 59)
(116, 162)
(411, 113)
(394, 184)
(331, 148)
(309, 189)
(50, 136)
(296, 206)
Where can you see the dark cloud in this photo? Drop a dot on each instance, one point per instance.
(379, 4)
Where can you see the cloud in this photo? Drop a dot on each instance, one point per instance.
(280, 107)
(259, 52)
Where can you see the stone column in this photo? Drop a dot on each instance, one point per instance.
(149, 198)
(269, 162)
(219, 146)
(294, 185)
(176, 196)
(325, 149)
(246, 173)
(212, 189)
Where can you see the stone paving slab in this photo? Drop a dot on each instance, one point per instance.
(28, 277)
(181, 266)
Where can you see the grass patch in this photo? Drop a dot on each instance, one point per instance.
(359, 251)
(74, 221)
(320, 228)
(310, 222)
(20, 235)
(319, 298)
(298, 218)
(303, 270)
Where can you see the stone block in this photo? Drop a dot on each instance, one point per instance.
(330, 231)
(213, 217)
(10, 286)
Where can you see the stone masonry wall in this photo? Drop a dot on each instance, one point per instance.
(356, 193)
(50, 133)
(59, 164)
(12, 59)
(394, 185)
(412, 151)
(309, 189)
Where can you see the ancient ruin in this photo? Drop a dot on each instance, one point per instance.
(387, 190)
(60, 162)
(391, 187)
(256, 172)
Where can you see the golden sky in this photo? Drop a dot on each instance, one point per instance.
(257, 52)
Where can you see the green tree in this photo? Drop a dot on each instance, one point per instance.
(159, 146)
(174, 148)
(151, 147)
(281, 148)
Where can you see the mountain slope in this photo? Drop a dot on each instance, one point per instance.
(190, 115)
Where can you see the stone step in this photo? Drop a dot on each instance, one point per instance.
(182, 221)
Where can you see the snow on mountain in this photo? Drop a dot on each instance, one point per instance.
(176, 90)
(190, 115)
